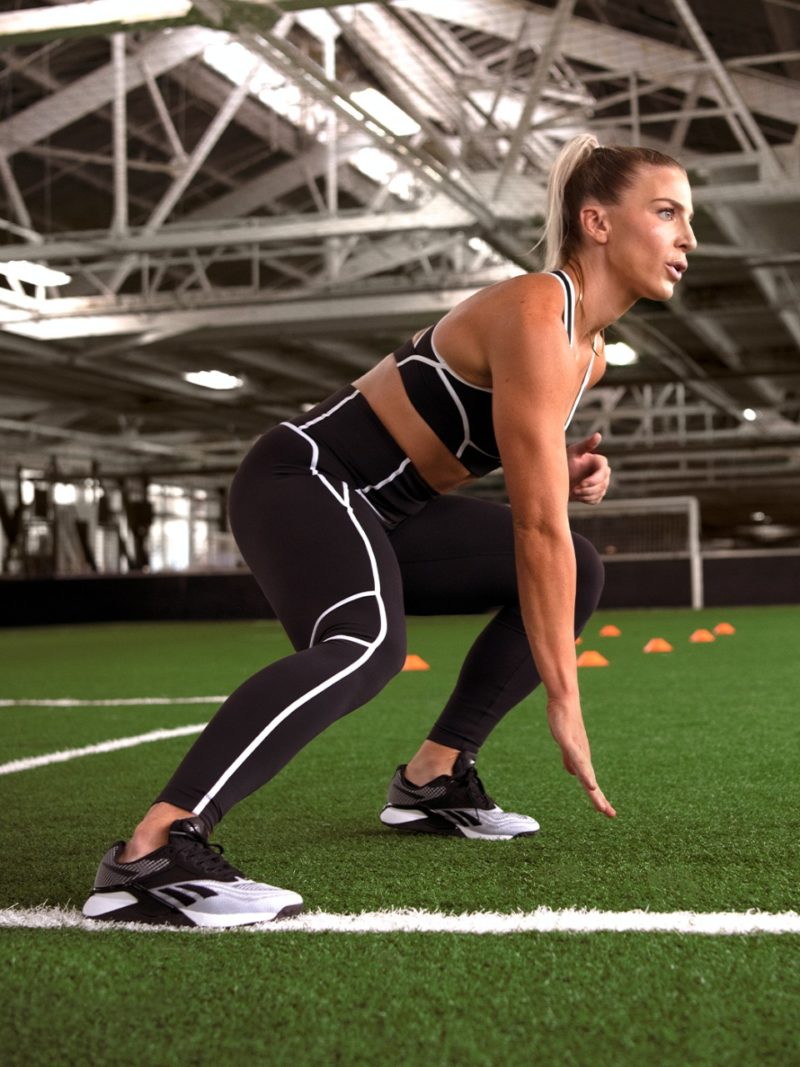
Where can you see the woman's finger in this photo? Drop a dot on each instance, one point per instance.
(599, 801)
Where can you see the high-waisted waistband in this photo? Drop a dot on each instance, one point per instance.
(354, 445)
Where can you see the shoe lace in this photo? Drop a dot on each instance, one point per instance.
(204, 855)
(474, 789)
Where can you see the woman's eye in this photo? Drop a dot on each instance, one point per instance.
(668, 211)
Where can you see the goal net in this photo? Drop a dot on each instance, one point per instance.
(656, 528)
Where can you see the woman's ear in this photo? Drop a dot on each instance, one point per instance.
(595, 223)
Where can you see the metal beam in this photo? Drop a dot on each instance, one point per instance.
(728, 89)
(616, 50)
(15, 196)
(385, 310)
(425, 89)
(111, 16)
(97, 17)
(547, 56)
(276, 182)
(138, 131)
(524, 196)
(268, 127)
(763, 276)
(119, 225)
(193, 163)
(284, 366)
(105, 441)
(93, 91)
(299, 68)
(440, 213)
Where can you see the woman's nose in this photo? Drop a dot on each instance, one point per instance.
(688, 241)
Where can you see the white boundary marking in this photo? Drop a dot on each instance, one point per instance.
(29, 762)
(121, 702)
(543, 921)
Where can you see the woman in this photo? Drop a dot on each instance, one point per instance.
(343, 513)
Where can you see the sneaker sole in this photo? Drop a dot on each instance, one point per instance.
(414, 821)
(125, 906)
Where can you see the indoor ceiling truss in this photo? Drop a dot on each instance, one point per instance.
(224, 191)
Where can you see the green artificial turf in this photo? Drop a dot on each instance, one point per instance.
(698, 749)
(299, 1000)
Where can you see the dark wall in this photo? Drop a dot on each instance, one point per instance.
(752, 580)
(658, 583)
(37, 601)
(651, 583)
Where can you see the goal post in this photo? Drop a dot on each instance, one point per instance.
(646, 528)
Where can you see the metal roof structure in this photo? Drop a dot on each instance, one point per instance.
(223, 187)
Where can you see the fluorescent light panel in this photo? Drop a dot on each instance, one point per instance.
(33, 273)
(214, 379)
(387, 113)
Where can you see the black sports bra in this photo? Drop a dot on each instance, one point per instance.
(459, 413)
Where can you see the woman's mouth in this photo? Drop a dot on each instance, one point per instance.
(676, 270)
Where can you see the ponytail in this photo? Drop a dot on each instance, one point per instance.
(556, 226)
(586, 170)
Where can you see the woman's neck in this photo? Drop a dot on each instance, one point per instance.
(599, 302)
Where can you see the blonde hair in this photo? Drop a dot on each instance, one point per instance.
(586, 170)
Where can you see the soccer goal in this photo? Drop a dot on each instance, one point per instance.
(655, 528)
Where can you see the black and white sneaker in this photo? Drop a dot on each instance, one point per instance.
(185, 883)
(452, 805)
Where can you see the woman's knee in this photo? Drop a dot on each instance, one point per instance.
(392, 652)
(382, 661)
(590, 575)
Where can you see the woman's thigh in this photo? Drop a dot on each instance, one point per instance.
(318, 552)
(456, 556)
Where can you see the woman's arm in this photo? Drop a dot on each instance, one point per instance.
(534, 377)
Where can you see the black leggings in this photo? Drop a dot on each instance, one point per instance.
(341, 584)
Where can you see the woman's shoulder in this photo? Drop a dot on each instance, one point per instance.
(539, 289)
(527, 297)
(500, 317)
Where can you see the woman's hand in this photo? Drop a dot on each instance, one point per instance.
(566, 726)
(589, 474)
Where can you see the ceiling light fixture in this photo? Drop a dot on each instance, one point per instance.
(214, 379)
(22, 270)
(750, 414)
(619, 354)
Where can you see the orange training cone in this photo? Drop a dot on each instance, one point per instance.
(592, 659)
(702, 637)
(610, 631)
(578, 640)
(724, 628)
(657, 644)
(416, 663)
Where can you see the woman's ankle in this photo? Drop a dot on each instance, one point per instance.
(431, 761)
(152, 832)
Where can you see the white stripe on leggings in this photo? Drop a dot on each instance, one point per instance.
(366, 655)
(333, 607)
(327, 414)
(347, 637)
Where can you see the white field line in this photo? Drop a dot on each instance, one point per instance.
(29, 762)
(123, 702)
(543, 921)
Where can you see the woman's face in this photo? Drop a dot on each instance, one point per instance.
(650, 232)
